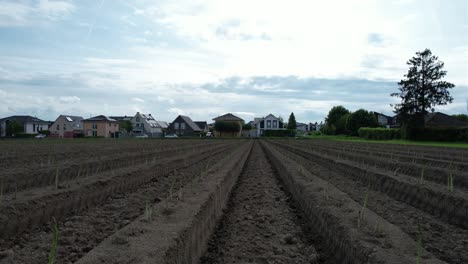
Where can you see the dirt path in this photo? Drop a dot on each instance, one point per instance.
(261, 224)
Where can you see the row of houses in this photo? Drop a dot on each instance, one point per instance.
(68, 126)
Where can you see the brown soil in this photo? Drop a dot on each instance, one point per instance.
(295, 201)
(448, 242)
(81, 231)
(261, 224)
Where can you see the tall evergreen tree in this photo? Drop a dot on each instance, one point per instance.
(422, 88)
(292, 122)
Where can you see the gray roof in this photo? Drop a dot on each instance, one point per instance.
(101, 118)
(228, 117)
(202, 124)
(121, 118)
(162, 124)
(75, 121)
(190, 123)
(24, 119)
(441, 119)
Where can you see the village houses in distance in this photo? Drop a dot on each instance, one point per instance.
(147, 126)
(143, 125)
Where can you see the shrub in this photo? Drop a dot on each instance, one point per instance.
(315, 133)
(223, 126)
(279, 133)
(25, 135)
(379, 133)
(44, 132)
(247, 127)
(358, 119)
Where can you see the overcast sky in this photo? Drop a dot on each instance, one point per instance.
(206, 58)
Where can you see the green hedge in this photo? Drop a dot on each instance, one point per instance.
(25, 135)
(439, 134)
(379, 133)
(279, 133)
(44, 132)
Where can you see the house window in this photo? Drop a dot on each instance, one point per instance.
(94, 133)
(34, 127)
(182, 126)
(94, 126)
(176, 125)
(268, 123)
(64, 126)
(58, 127)
(275, 124)
(137, 119)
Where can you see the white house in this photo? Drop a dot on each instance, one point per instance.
(28, 124)
(302, 127)
(146, 124)
(66, 126)
(270, 122)
(315, 126)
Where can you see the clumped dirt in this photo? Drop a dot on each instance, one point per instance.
(447, 242)
(81, 232)
(261, 224)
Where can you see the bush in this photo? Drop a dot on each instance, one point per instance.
(25, 135)
(247, 127)
(315, 133)
(44, 132)
(328, 129)
(279, 133)
(379, 133)
(358, 119)
(438, 134)
(340, 125)
(222, 126)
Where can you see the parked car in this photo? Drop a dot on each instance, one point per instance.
(142, 136)
(171, 136)
(209, 134)
(40, 136)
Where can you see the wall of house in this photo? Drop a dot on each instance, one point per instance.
(103, 128)
(2, 129)
(34, 128)
(138, 123)
(302, 128)
(274, 126)
(144, 126)
(61, 132)
(182, 130)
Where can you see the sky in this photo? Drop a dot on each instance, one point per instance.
(207, 58)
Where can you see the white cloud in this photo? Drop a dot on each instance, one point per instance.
(138, 100)
(299, 37)
(24, 13)
(165, 99)
(69, 99)
(176, 111)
